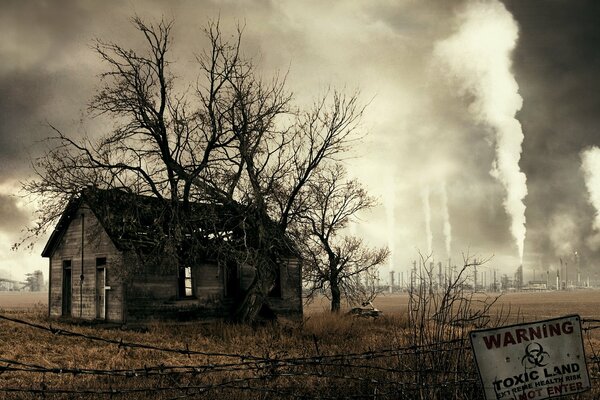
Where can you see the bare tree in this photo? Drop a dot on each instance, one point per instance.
(235, 140)
(336, 264)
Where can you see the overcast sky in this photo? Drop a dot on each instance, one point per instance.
(454, 87)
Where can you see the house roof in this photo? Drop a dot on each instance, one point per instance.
(142, 222)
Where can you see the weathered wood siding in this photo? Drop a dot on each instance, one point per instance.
(208, 282)
(96, 244)
(153, 294)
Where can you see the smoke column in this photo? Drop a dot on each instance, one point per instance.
(477, 58)
(389, 204)
(446, 218)
(590, 164)
(427, 212)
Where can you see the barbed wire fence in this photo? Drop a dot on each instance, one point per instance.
(409, 372)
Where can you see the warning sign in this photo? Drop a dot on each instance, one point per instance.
(539, 360)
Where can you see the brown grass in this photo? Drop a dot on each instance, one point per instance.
(530, 306)
(319, 334)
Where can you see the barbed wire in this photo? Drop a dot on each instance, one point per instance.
(161, 370)
(267, 374)
(124, 344)
(423, 348)
(111, 391)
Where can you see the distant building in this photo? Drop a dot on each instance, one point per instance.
(536, 285)
(9, 285)
(34, 282)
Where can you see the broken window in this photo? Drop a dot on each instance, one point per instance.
(185, 282)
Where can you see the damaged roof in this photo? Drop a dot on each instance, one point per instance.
(142, 222)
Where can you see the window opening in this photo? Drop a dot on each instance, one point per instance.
(185, 282)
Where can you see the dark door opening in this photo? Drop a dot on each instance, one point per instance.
(232, 279)
(100, 293)
(67, 291)
(276, 291)
(101, 288)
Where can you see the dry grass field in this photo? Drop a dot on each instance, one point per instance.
(323, 356)
(23, 300)
(528, 306)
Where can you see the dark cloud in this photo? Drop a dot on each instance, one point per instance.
(36, 37)
(557, 64)
(23, 96)
(420, 132)
(12, 218)
(48, 71)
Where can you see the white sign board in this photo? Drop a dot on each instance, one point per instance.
(532, 361)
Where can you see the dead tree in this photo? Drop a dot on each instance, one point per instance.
(235, 141)
(336, 264)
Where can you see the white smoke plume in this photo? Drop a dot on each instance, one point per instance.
(389, 202)
(562, 229)
(590, 165)
(477, 59)
(427, 213)
(446, 217)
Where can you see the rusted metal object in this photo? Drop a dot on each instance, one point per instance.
(367, 310)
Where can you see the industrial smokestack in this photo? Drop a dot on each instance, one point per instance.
(446, 218)
(389, 205)
(427, 215)
(440, 276)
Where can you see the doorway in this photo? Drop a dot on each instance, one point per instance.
(67, 290)
(101, 288)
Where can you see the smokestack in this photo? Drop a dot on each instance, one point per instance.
(427, 215)
(495, 284)
(475, 274)
(401, 280)
(446, 218)
(440, 275)
(389, 205)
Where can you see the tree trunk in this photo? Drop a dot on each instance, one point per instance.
(247, 310)
(255, 298)
(335, 297)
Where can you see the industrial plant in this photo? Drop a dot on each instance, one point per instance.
(480, 277)
(33, 282)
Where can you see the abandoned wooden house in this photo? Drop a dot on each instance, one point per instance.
(100, 268)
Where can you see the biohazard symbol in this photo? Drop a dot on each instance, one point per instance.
(534, 356)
